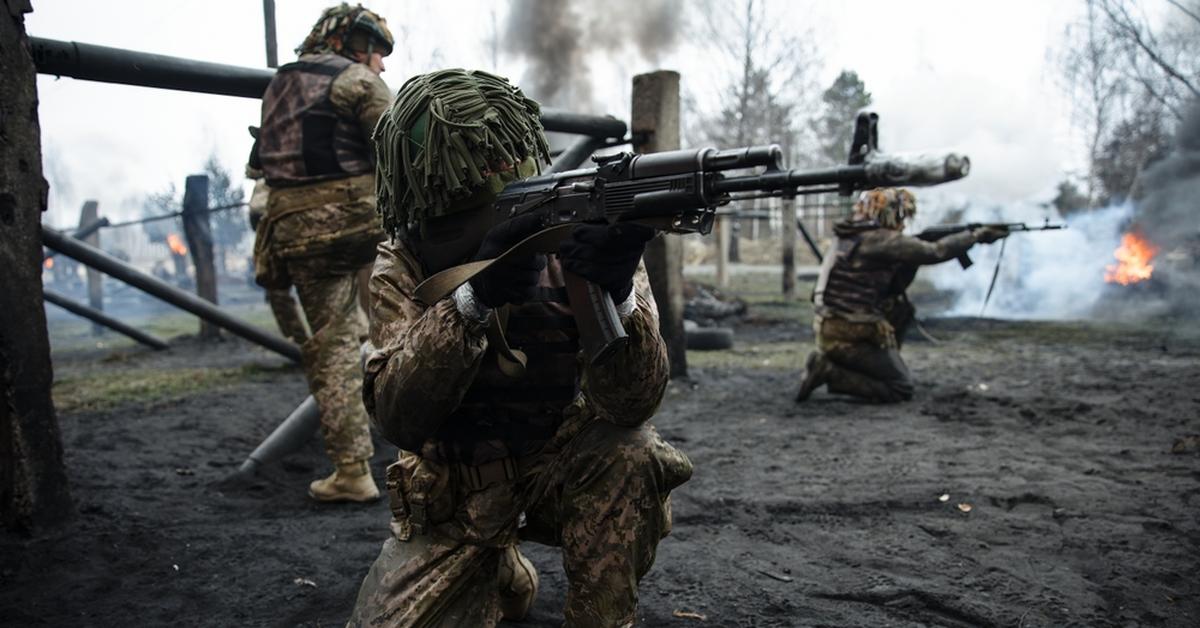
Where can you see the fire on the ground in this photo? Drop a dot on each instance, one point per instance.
(1133, 260)
(176, 244)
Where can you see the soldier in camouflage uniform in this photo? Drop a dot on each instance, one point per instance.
(859, 303)
(320, 227)
(283, 306)
(561, 454)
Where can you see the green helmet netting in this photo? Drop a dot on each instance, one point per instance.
(442, 136)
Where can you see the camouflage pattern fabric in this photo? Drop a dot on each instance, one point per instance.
(283, 305)
(599, 488)
(890, 207)
(865, 359)
(287, 314)
(320, 236)
(331, 32)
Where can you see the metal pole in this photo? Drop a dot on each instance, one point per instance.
(269, 27)
(81, 234)
(576, 154)
(96, 316)
(296, 429)
(129, 67)
(100, 260)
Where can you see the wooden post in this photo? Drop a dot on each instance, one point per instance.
(33, 482)
(723, 229)
(655, 128)
(88, 214)
(788, 224)
(198, 232)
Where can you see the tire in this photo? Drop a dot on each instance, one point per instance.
(710, 339)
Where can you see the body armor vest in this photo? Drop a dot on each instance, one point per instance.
(303, 139)
(854, 284)
(522, 413)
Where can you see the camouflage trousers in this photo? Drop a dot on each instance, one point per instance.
(328, 291)
(287, 314)
(597, 490)
(864, 359)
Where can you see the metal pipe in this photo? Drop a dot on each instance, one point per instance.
(292, 434)
(96, 316)
(269, 31)
(82, 233)
(562, 121)
(95, 258)
(576, 154)
(129, 67)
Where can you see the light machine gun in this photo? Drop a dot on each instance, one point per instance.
(676, 192)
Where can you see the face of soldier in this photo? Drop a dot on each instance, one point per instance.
(373, 60)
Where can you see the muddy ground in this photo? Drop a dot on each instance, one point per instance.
(1046, 474)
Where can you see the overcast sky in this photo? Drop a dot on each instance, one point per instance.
(970, 76)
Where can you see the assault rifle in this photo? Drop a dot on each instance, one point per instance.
(676, 192)
(937, 232)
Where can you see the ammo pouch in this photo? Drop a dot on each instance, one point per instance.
(333, 219)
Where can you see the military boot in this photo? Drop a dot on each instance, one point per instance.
(518, 582)
(350, 482)
(816, 374)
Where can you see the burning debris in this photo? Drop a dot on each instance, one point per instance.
(1133, 260)
(175, 242)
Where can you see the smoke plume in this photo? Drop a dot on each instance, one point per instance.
(558, 36)
(1060, 274)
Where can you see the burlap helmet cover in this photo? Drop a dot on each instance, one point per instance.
(890, 207)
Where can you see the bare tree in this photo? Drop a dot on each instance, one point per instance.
(768, 66)
(1131, 81)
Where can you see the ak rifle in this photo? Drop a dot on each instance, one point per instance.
(675, 192)
(937, 232)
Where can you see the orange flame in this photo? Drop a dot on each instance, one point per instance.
(1133, 260)
(176, 244)
(49, 263)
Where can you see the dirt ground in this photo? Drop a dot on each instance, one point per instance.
(1046, 474)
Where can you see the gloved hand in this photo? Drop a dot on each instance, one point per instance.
(606, 255)
(511, 280)
(988, 235)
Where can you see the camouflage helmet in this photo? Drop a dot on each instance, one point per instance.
(344, 29)
(890, 207)
(442, 145)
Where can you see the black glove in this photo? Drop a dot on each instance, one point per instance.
(606, 255)
(988, 235)
(510, 280)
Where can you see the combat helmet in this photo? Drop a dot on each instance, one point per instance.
(343, 30)
(449, 143)
(890, 207)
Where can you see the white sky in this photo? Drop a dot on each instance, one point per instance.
(969, 76)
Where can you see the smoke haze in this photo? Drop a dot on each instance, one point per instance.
(558, 37)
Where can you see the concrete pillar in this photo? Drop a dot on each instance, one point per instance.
(654, 123)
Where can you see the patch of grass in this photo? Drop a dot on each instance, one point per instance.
(75, 334)
(104, 391)
(772, 355)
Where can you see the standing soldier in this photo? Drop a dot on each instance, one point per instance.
(859, 300)
(285, 309)
(321, 227)
(560, 454)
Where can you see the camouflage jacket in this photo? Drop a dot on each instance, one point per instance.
(360, 94)
(427, 357)
(868, 265)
